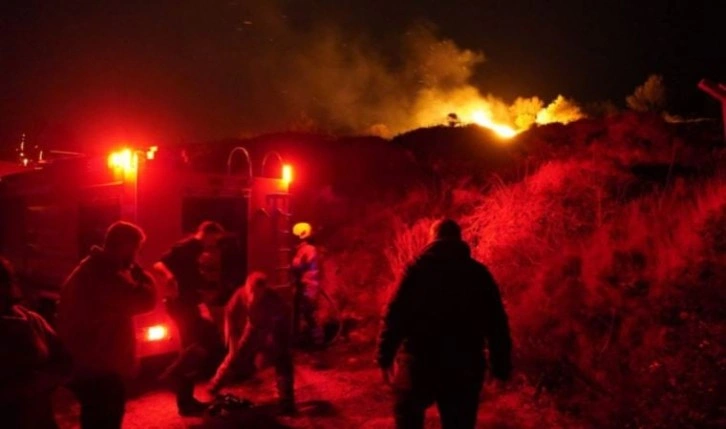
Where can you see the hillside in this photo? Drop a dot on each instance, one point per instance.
(608, 239)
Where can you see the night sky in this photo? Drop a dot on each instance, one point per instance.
(159, 71)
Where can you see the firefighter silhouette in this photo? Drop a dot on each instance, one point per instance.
(189, 268)
(306, 272)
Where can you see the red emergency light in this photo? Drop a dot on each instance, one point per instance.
(124, 160)
(287, 173)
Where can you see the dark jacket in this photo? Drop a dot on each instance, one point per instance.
(183, 262)
(446, 309)
(95, 314)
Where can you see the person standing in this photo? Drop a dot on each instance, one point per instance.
(306, 271)
(257, 320)
(184, 277)
(95, 322)
(32, 361)
(445, 310)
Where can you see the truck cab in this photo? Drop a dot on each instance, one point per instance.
(52, 217)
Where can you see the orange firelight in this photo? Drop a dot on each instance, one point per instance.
(157, 333)
(287, 173)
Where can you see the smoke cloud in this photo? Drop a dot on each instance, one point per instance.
(323, 77)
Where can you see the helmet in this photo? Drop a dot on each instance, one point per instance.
(302, 230)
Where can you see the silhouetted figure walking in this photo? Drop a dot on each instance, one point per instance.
(95, 322)
(199, 336)
(32, 361)
(446, 309)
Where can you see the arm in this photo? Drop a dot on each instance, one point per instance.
(498, 337)
(163, 270)
(297, 264)
(172, 288)
(240, 351)
(395, 320)
(235, 318)
(305, 257)
(136, 290)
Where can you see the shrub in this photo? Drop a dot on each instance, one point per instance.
(648, 97)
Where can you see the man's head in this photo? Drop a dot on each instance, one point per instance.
(209, 233)
(9, 290)
(445, 229)
(123, 242)
(256, 283)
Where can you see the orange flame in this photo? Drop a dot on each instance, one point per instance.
(506, 120)
(481, 118)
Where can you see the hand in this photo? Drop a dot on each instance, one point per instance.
(204, 311)
(127, 277)
(142, 276)
(137, 272)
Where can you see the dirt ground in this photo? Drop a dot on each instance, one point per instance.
(337, 388)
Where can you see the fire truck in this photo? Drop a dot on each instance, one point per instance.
(52, 216)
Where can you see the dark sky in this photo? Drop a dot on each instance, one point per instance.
(160, 70)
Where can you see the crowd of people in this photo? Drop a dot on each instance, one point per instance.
(444, 313)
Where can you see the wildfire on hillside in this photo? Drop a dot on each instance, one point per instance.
(506, 121)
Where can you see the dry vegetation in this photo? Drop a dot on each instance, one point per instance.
(608, 238)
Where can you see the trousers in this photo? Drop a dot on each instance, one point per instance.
(417, 386)
(103, 400)
(201, 346)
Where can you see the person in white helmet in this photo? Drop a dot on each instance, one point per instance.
(306, 270)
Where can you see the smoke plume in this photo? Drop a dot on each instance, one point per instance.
(321, 76)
